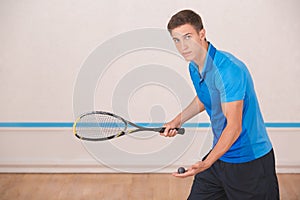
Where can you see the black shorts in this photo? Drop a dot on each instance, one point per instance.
(255, 180)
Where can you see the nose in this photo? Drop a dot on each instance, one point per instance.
(183, 46)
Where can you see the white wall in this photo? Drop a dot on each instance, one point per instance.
(45, 44)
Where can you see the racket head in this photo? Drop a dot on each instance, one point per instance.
(99, 126)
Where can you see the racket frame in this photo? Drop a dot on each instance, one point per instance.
(121, 133)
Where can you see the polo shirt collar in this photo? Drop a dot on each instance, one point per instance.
(208, 64)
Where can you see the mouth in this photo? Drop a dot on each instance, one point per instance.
(185, 54)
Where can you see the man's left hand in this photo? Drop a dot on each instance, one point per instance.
(193, 170)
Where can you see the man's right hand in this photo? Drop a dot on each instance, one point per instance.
(170, 128)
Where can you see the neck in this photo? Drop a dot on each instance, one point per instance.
(200, 59)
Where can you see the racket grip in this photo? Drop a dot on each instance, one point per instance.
(179, 130)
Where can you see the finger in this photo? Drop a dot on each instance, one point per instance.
(187, 172)
(169, 132)
(165, 133)
(184, 175)
(173, 132)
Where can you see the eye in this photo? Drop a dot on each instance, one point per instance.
(175, 40)
(187, 37)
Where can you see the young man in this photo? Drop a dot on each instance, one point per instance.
(241, 162)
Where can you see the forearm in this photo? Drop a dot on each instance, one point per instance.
(233, 129)
(228, 137)
(233, 113)
(194, 108)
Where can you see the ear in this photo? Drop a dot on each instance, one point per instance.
(202, 34)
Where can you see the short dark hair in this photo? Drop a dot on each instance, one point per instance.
(185, 17)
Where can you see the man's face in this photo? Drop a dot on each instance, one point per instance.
(188, 41)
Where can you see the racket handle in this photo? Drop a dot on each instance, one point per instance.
(179, 130)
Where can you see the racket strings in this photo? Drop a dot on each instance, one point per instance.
(97, 126)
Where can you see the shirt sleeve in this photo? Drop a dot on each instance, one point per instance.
(231, 82)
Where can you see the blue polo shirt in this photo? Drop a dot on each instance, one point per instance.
(223, 79)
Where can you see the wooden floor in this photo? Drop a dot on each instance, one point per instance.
(112, 186)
